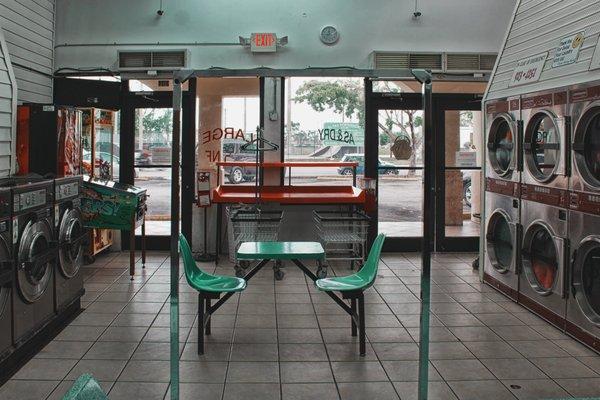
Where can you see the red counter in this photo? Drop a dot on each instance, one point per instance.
(289, 194)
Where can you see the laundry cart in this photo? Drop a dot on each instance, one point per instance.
(250, 224)
(343, 235)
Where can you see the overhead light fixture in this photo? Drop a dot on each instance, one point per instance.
(417, 14)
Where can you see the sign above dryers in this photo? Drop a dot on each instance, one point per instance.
(528, 70)
(568, 50)
(595, 64)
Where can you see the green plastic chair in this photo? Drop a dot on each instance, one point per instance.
(209, 287)
(352, 287)
(85, 388)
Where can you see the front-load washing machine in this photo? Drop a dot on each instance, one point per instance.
(585, 180)
(71, 236)
(583, 303)
(544, 258)
(546, 148)
(34, 253)
(503, 133)
(6, 274)
(502, 243)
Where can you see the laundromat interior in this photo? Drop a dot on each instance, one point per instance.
(298, 200)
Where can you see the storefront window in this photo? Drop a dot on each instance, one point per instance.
(324, 123)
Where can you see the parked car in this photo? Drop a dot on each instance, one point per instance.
(232, 151)
(386, 168)
(143, 157)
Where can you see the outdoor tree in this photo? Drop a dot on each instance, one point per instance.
(157, 125)
(346, 97)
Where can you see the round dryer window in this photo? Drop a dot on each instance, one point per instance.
(542, 147)
(501, 145)
(35, 260)
(500, 242)
(540, 258)
(586, 278)
(587, 146)
(71, 233)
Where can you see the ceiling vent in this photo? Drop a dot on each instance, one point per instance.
(436, 62)
(152, 60)
(470, 62)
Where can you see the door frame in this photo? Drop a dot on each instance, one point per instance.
(162, 99)
(441, 103)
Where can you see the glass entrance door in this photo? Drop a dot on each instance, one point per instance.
(152, 165)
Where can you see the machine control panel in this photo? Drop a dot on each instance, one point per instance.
(28, 200)
(67, 190)
(5, 204)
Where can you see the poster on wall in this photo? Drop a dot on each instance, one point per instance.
(567, 50)
(528, 70)
(342, 134)
(595, 64)
(203, 187)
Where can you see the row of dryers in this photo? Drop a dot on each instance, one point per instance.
(41, 252)
(543, 205)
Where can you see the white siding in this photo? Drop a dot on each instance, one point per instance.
(28, 27)
(537, 27)
(7, 109)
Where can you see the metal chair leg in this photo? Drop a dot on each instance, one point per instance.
(353, 305)
(361, 325)
(207, 308)
(200, 324)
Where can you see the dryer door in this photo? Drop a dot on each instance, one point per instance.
(586, 278)
(501, 241)
(544, 146)
(6, 273)
(586, 146)
(542, 259)
(502, 145)
(36, 257)
(71, 236)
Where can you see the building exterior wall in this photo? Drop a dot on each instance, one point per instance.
(537, 27)
(7, 109)
(28, 28)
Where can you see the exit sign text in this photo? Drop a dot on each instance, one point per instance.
(263, 42)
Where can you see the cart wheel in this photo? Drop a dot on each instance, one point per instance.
(239, 271)
(322, 272)
(279, 274)
(89, 259)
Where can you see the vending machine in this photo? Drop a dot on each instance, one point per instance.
(51, 131)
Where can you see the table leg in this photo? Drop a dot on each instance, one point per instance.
(144, 242)
(132, 249)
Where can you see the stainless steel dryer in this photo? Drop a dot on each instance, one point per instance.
(503, 133)
(546, 148)
(544, 253)
(585, 110)
(70, 235)
(34, 253)
(502, 241)
(583, 304)
(6, 274)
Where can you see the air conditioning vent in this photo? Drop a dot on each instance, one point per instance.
(470, 62)
(426, 61)
(152, 60)
(392, 60)
(436, 62)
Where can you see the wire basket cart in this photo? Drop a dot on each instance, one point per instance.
(343, 235)
(250, 224)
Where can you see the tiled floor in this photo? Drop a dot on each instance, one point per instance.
(282, 340)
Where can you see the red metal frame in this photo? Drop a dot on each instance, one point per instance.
(289, 194)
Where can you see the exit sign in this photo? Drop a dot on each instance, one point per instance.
(263, 43)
